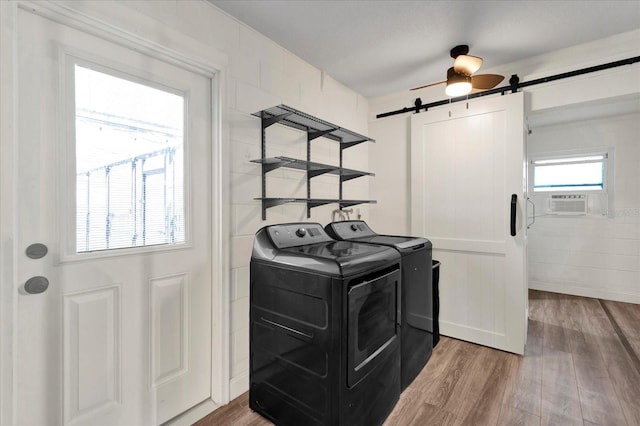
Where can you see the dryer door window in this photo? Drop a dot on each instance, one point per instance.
(372, 322)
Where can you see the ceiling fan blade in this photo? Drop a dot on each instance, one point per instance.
(467, 64)
(485, 81)
(429, 85)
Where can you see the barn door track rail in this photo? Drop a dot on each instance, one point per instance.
(514, 85)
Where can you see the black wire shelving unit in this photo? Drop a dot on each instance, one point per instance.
(314, 128)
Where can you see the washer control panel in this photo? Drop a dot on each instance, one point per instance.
(351, 229)
(297, 234)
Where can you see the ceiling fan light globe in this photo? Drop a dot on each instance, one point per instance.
(458, 89)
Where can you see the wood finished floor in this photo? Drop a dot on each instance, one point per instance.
(580, 367)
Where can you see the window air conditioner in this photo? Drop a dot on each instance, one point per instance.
(569, 204)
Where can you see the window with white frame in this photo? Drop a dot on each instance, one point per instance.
(570, 173)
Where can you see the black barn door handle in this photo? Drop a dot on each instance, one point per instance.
(514, 204)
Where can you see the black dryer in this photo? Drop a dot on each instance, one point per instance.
(419, 315)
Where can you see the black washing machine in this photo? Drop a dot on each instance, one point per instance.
(417, 307)
(325, 328)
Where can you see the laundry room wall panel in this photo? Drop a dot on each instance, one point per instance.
(324, 189)
(352, 189)
(244, 188)
(249, 99)
(274, 80)
(357, 157)
(240, 315)
(239, 336)
(338, 105)
(390, 162)
(240, 283)
(240, 330)
(239, 350)
(240, 246)
(242, 128)
(246, 218)
(252, 45)
(322, 150)
(287, 186)
(245, 68)
(605, 260)
(241, 156)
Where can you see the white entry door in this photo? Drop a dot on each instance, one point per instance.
(113, 178)
(467, 163)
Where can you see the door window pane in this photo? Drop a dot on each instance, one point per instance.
(129, 163)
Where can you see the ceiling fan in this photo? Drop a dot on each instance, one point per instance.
(460, 79)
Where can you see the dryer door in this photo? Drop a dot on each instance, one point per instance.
(373, 322)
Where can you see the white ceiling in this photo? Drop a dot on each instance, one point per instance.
(378, 47)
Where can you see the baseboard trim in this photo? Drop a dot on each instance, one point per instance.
(585, 291)
(238, 385)
(194, 414)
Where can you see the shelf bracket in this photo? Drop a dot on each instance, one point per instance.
(318, 172)
(267, 167)
(344, 178)
(318, 203)
(345, 145)
(348, 203)
(314, 135)
(266, 122)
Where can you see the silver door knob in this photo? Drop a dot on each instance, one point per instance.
(36, 285)
(36, 251)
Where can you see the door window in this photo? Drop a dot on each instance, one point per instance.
(129, 163)
(376, 319)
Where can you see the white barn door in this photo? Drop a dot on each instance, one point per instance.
(119, 191)
(467, 165)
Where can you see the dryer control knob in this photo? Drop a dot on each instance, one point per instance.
(354, 227)
(301, 232)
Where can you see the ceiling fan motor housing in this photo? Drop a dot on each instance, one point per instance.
(462, 49)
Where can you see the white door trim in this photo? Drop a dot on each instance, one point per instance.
(8, 130)
(182, 52)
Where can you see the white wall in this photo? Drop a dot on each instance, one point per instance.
(391, 162)
(592, 255)
(392, 150)
(259, 74)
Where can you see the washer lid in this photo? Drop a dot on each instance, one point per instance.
(338, 258)
(339, 251)
(312, 249)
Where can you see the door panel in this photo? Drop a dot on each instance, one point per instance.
(120, 336)
(467, 160)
